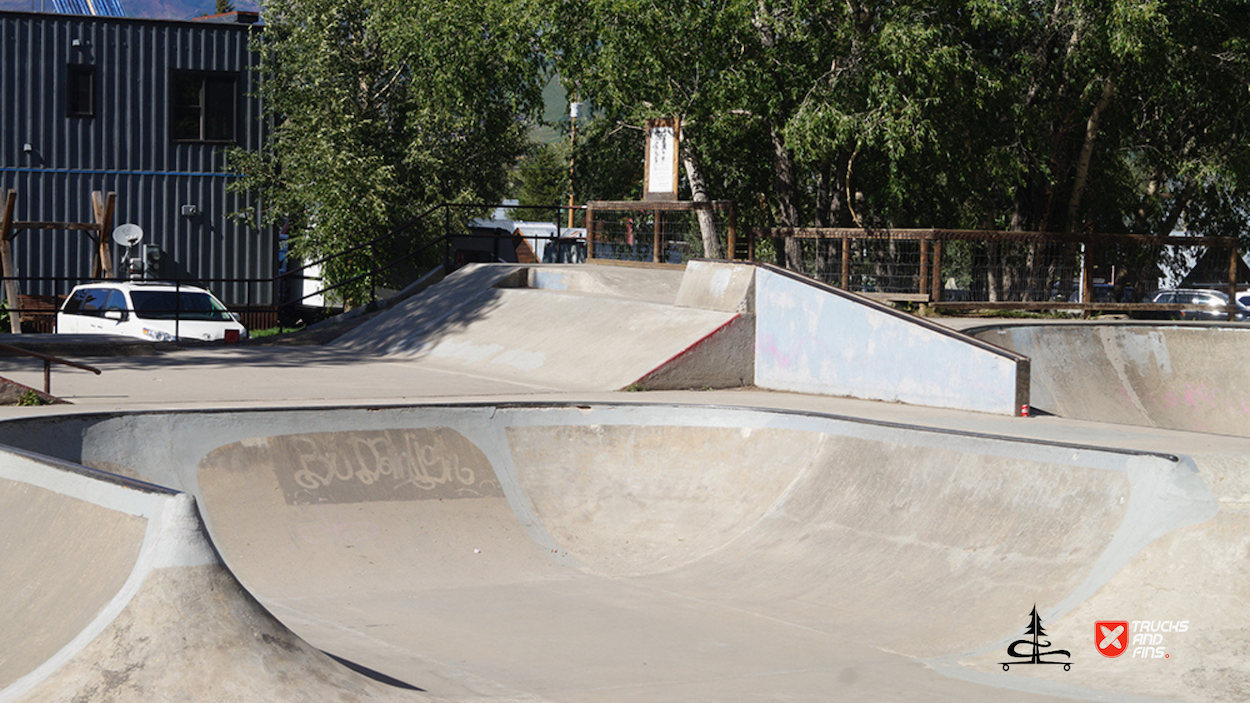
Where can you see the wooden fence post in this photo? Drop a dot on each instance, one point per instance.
(6, 263)
(655, 244)
(846, 263)
(923, 278)
(590, 233)
(103, 210)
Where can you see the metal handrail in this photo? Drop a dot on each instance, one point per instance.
(48, 360)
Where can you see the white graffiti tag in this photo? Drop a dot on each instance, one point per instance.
(421, 459)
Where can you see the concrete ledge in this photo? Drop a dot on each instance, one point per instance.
(717, 285)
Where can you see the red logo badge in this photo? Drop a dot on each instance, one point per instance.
(1111, 637)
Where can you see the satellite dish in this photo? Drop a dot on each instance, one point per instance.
(128, 235)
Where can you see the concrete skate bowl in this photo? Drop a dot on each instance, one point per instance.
(667, 553)
(1184, 376)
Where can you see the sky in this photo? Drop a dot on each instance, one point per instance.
(153, 9)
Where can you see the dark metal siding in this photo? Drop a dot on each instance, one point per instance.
(126, 146)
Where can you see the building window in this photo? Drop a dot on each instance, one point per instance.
(80, 94)
(204, 106)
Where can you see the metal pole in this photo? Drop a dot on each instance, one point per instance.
(1087, 282)
(1232, 281)
(574, 111)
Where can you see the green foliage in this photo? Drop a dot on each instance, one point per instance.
(224, 6)
(30, 398)
(381, 109)
(541, 179)
(273, 331)
(1065, 115)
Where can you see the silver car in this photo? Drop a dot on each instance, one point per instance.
(1202, 305)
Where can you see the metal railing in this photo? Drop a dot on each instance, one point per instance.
(264, 302)
(48, 361)
(994, 270)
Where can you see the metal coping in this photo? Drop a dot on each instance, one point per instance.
(1149, 324)
(82, 470)
(569, 404)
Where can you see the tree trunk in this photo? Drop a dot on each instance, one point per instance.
(785, 182)
(698, 192)
(824, 247)
(1087, 154)
(993, 272)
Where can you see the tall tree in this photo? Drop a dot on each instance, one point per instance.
(541, 179)
(381, 109)
(636, 60)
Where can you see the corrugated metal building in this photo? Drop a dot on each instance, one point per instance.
(143, 108)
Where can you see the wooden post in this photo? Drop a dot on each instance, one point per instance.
(846, 262)
(655, 243)
(590, 233)
(733, 232)
(103, 210)
(6, 263)
(923, 278)
(935, 295)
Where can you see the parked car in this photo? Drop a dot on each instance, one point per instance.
(1203, 305)
(160, 312)
(1105, 293)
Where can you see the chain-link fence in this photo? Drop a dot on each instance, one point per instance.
(659, 232)
(1034, 270)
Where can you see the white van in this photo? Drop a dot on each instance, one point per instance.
(161, 312)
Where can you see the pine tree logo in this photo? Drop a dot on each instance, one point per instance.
(1037, 645)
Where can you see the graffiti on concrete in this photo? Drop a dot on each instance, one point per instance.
(381, 465)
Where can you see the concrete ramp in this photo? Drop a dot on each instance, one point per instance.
(714, 325)
(1178, 376)
(113, 593)
(584, 328)
(669, 553)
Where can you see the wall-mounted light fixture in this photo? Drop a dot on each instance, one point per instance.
(28, 147)
(190, 211)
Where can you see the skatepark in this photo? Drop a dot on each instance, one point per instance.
(600, 483)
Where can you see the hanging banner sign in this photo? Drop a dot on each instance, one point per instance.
(660, 172)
